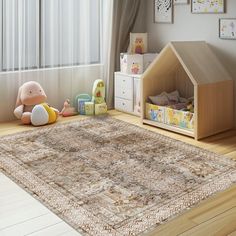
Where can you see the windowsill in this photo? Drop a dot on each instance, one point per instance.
(51, 68)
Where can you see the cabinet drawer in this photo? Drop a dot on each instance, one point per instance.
(124, 87)
(124, 93)
(123, 105)
(123, 82)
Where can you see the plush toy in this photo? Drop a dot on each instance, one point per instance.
(190, 107)
(68, 110)
(31, 107)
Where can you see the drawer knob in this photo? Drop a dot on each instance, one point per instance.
(123, 103)
(123, 80)
(123, 92)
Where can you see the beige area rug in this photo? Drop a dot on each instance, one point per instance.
(107, 177)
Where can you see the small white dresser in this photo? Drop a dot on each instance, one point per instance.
(127, 93)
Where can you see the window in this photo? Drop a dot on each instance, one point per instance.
(20, 43)
(49, 33)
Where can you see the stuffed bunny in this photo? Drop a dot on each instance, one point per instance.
(31, 107)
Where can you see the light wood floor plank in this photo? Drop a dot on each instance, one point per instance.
(32, 225)
(233, 233)
(214, 206)
(70, 233)
(54, 230)
(21, 214)
(181, 224)
(221, 225)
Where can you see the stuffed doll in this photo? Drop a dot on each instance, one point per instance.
(68, 110)
(31, 107)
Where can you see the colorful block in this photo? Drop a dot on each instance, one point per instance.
(100, 109)
(81, 107)
(89, 108)
(81, 98)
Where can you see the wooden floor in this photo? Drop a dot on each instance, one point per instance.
(20, 214)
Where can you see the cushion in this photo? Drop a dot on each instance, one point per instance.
(160, 100)
(173, 96)
(182, 100)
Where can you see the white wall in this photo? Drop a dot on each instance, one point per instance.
(188, 26)
(58, 83)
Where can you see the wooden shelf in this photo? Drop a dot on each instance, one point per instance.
(193, 69)
(169, 127)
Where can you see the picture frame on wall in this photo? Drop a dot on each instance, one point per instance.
(208, 6)
(227, 28)
(180, 2)
(163, 11)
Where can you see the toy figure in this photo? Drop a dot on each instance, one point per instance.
(190, 107)
(31, 107)
(68, 110)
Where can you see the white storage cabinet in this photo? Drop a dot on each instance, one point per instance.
(127, 93)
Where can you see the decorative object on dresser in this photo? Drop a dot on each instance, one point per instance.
(208, 6)
(138, 43)
(131, 63)
(194, 71)
(107, 177)
(163, 11)
(227, 28)
(127, 93)
(135, 63)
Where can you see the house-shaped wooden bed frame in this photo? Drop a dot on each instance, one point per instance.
(193, 69)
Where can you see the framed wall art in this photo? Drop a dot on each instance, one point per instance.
(227, 28)
(138, 43)
(208, 6)
(163, 11)
(179, 2)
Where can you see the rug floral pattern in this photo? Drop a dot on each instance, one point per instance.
(107, 177)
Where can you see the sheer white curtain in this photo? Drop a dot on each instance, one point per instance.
(108, 52)
(70, 32)
(20, 34)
